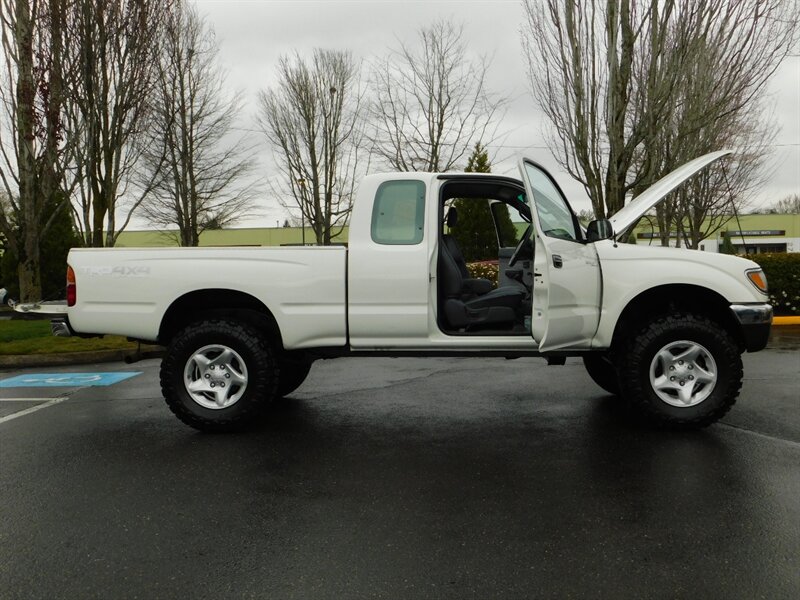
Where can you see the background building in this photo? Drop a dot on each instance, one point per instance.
(749, 235)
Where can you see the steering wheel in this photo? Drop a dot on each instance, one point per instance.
(522, 243)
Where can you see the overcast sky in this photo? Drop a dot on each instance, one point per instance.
(253, 34)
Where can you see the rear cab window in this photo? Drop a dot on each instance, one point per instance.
(398, 214)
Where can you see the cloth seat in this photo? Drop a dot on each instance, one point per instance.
(472, 286)
(463, 307)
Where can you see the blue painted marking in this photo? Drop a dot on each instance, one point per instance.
(66, 379)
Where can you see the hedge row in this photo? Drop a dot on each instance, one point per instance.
(782, 270)
(783, 278)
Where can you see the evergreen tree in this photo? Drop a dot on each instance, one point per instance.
(55, 245)
(479, 161)
(727, 246)
(475, 231)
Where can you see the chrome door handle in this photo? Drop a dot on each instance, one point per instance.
(557, 262)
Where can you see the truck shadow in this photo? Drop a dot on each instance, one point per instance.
(592, 483)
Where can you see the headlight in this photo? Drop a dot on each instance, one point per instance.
(758, 279)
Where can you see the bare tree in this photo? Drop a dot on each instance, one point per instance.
(431, 104)
(196, 175)
(710, 199)
(32, 136)
(580, 64)
(585, 217)
(610, 75)
(708, 113)
(311, 119)
(116, 48)
(790, 205)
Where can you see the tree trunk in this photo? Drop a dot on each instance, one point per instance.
(97, 222)
(28, 270)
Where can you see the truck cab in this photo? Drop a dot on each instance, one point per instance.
(408, 286)
(409, 290)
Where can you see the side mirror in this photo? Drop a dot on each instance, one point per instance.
(600, 229)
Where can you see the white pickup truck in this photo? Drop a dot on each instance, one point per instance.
(662, 327)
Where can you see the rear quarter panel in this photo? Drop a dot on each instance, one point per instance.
(127, 291)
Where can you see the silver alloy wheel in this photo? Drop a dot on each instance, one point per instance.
(683, 373)
(215, 376)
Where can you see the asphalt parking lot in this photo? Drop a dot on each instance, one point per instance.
(400, 478)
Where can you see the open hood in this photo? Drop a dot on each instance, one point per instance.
(634, 210)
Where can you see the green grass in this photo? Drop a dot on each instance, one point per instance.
(34, 337)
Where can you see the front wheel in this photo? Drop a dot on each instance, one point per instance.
(681, 370)
(218, 373)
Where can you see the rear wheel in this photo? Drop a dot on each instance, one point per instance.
(681, 370)
(602, 371)
(217, 374)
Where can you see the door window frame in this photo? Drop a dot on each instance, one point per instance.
(579, 233)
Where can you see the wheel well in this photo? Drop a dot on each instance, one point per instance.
(220, 302)
(672, 298)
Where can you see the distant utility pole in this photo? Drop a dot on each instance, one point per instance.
(302, 183)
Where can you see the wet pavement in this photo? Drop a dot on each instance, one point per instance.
(786, 338)
(403, 478)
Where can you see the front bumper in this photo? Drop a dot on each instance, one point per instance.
(755, 321)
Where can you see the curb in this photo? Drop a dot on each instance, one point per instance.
(24, 361)
(786, 320)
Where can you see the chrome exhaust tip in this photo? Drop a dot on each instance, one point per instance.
(60, 328)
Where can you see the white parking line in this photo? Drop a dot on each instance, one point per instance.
(45, 403)
(24, 399)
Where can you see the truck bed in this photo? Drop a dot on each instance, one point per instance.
(127, 291)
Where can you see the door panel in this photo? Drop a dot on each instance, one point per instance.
(573, 294)
(567, 283)
(389, 274)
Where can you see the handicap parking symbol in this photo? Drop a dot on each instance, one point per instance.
(66, 379)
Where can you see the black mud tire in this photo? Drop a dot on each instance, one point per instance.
(602, 371)
(257, 354)
(293, 374)
(635, 359)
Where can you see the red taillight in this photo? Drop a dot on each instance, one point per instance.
(72, 289)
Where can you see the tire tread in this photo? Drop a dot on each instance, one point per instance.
(639, 397)
(262, 374)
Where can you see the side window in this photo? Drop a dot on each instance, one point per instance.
(555, 216)
(398, 215)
